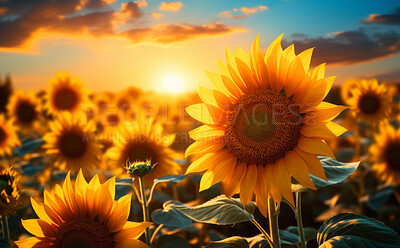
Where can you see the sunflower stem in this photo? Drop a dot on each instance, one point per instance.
(259, 227)
(145, 208)
(300, 220)
(4, 227)
(273, 222)
(155, 232)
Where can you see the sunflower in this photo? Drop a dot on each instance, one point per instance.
(24, 110)
(141, 141)
(9, 195)
(83, 216)
(72, 143)
(370, 101)
(263, 124)
(346, 89)
(8, 137)
(385, 153)
(65, 94)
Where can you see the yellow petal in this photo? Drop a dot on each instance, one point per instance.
(206, 180)
(39, 228)
(200, 147)
(231, 184)
(224, 168)
(298, 169)
(207, 134)
(119, 214)
(314, 165)
(283, 180)
(206, 162)
(315, 146)
(248, 184)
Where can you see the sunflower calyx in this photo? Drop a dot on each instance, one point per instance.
(139, 168)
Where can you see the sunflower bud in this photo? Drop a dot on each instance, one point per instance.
(139, 168)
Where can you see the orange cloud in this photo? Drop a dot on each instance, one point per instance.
(141, 3)
(171, 33)
(171, 6)
(228, 14)
(245, 12)
(156, 15)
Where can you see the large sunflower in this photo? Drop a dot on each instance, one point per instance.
(370, 101)
(141, 141)
(385, 153)
(84, 216)
(24, 110)
(8, 137)
(72, 143)
(9, 193)
(65, 94)
(263, 124)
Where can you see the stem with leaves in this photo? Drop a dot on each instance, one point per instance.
(145, 208)
(259, 227)
(273, 222)
(300, 220)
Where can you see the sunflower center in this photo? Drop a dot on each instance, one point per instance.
(72, 145)
(112, 119)
(83, 233)
(65, 99)
(140, 151)
(26, 112)
(3, 135)
(369, 104)
(393, 156)
(263, 127)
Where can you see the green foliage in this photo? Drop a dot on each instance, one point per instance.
(353, 231)
(27, 146)
(378, 197)
(4, 243)
(231, 242)
(221, 211)
(309, 232)
(335, 171)
(170, 216)
(172, 178)
(172, 241)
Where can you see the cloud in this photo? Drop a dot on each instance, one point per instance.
(228, 14)
(156, 15)
(244, 12)
(393, 18)
(26, 22)
(170, 6)
(141, 3)
(171, 33)
(349, 47)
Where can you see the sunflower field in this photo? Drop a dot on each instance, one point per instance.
(274, 155)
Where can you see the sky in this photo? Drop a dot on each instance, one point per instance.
(166, 45)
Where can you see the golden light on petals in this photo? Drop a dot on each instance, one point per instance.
(268, 119)
(83, 216)
(9, 194)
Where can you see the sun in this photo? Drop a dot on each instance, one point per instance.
(172, 84)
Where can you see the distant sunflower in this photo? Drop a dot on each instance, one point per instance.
(141, 141)
(9, 195)
(346, 89)
(8, 137)
(370, 102)
(65, 94)
(72, 143)
(84, 216)
(385, 153)
(24, 110)
(263, 124)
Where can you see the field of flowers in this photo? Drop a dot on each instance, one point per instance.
(273, 156)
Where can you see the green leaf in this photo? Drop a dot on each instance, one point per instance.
(172, 241)
(172, 178)
(309, 232)
(27, 146)
(353, 231)
(231, 242)
(376, 199)
(288, 238)
(4, 243)
(250, 207)
(220, 210)
(170, 216)
(335, 171)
